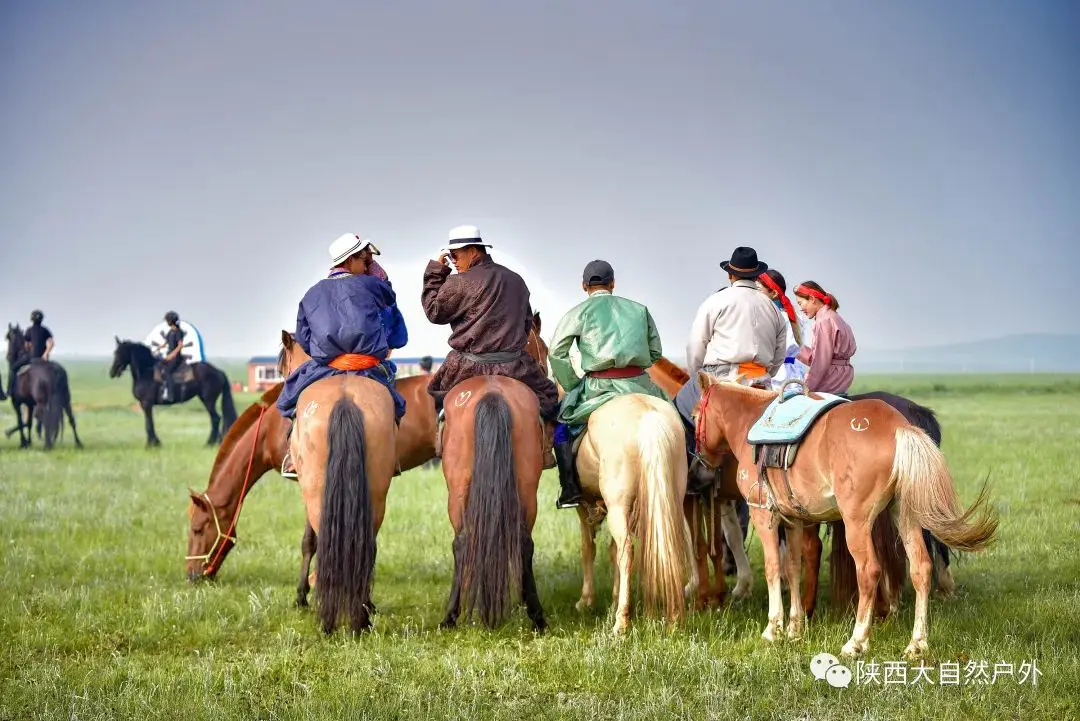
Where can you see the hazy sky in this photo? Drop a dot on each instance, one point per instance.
(921, 161)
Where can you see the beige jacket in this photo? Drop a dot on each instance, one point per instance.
(737, 325)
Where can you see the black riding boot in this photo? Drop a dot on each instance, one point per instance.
(571, 487)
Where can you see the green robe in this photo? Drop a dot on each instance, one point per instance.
(611, 332)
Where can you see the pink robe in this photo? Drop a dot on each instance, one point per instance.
(829, 359)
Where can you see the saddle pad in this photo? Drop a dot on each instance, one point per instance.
(184, 374)
(786, 420)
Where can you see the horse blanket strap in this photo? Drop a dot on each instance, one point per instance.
(508, 356)
(354, 362)
(627, 372)
(769, 502)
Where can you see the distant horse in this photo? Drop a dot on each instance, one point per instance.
(207, 383)
(632, 465)
(857, 460)
(42, 388)
(344, 445)
(492, 461)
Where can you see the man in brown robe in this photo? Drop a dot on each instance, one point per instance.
(487, 308)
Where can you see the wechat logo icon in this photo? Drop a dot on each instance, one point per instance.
(827, 668)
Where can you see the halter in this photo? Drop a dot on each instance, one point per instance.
(216, 553)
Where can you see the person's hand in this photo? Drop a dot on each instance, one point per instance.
(444, 258)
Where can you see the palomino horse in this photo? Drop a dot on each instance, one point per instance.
(343, 442)
(492, 461)
(859, 459)
(632, 465)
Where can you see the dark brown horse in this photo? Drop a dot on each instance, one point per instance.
(492, 461)
(207, 384)
(42, 389)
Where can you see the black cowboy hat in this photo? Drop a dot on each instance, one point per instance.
(744, 263)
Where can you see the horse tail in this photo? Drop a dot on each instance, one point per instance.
(494, 523)
(659, 514)
(228, 410)
(928, 497)
(346, 538)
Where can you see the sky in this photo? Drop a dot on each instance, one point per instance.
(920, 160)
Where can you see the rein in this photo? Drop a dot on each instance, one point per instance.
(214, 556)
(701, 429)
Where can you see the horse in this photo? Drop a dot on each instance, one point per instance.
(857, 460)
(632, 466)
(344, 445)
(207, 384)
(843, 581)
(492, 461)
(42, 388)
(250, 450)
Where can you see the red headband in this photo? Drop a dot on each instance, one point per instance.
(813, 293)
(772, 285)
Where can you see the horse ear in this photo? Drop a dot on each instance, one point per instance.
(198, 499)
(286, 339)
(117, 339)
(536, 321)
(704, 380)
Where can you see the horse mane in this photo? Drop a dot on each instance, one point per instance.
(241, 425)
(678, 374)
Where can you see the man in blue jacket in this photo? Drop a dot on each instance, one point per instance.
(348, 323)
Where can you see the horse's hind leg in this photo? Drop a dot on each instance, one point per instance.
(921, 570)
(588, 558)
(215, 419)
(939, 554)
(812, 564)
(868, 570)
(453, 608)
(71, 420)
(528, 585)
(307, 550)
(733, 535)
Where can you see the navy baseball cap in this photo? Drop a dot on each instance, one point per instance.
(598, 272)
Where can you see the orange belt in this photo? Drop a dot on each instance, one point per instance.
(752, 370)
(354, 362)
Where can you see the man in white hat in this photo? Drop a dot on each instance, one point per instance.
(348, 323)
(487, 308)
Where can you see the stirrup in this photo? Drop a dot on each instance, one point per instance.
(288, 474)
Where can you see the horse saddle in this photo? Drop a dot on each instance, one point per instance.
(776, 435)
(184, 374)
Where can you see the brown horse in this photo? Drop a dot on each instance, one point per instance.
(859, 459)
(344, 444)
(492, 464)
(215, 512)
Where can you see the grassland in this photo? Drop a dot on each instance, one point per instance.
(97, 620)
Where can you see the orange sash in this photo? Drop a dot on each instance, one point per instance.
(354, 362)
(752, 370)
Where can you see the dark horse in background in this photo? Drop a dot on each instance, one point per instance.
(204, 381)
(42, 388)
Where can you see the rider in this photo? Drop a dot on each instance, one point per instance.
(487, 308)
(348, 323)
(38, 342)
(617, 340)
(774, 286)
(833, 344)
(174, 345)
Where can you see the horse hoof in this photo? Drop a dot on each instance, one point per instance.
(742, 591)
(916, 650)
(301, 602)
(853, 649)
(540, 625)
(583, 605)
(773, 630)
(448, 623)
(795, 629)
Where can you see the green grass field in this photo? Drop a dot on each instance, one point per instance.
(97, 620)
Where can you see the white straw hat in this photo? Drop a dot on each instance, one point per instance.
(465, 235)
(348, 245)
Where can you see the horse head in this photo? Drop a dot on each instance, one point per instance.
(121, 357)
(204, 538)
(16, 343)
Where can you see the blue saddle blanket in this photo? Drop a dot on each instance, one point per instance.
(787, 419)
